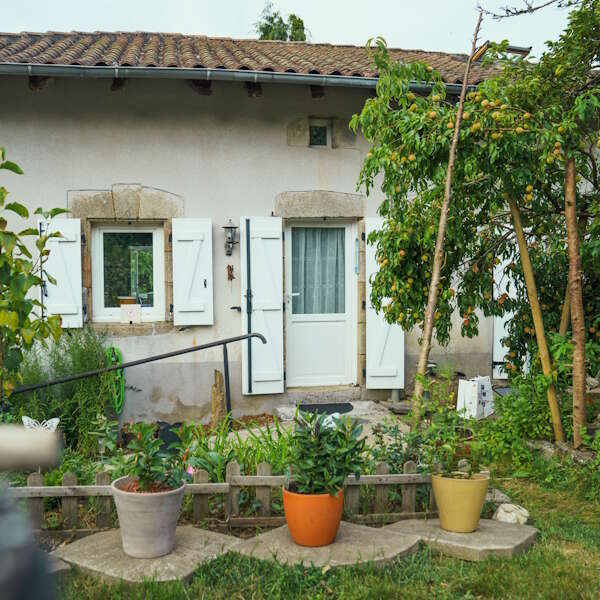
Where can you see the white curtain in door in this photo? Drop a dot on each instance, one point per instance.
(318, 272)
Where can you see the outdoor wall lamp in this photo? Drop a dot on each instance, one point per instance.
(230, 235)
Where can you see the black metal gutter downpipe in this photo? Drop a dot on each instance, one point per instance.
(249, 304)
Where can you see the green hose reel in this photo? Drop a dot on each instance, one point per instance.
(117, 382)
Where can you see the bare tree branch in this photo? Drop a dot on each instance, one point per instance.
(529, 7)
(438, 258)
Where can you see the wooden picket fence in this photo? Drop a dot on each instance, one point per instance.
(201, 489)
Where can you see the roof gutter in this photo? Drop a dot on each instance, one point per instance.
(83, 71)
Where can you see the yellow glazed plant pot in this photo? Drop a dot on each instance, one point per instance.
(460, 501)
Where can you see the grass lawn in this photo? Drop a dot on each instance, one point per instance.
(563, 564)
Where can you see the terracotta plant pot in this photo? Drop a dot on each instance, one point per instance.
(147, 520)
(460, 501)
(313, 519)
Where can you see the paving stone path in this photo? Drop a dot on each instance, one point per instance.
(101, 553)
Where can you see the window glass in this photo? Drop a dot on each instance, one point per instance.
(128, 269)
(318, 270)
(318, 135)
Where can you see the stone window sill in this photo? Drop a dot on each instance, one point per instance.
(127, 330)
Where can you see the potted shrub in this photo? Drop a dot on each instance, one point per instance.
(148, 498)
(458, 486)
(325, 450)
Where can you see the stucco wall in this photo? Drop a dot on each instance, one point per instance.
(227, 155)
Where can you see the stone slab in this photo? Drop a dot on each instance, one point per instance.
(496, 496)
(319, 203)
(492, 538)
(101, 554)
(354, 544)
(55, 567)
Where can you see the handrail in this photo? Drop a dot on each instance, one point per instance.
(141, 361)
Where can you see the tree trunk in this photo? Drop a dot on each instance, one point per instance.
(538, 322)
(565, 315)
(438, 258)
(576, 297)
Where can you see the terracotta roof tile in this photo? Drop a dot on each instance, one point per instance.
(139, 49)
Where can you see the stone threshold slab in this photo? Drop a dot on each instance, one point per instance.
(492, 538)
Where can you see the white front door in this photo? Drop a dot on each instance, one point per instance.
(320, 273)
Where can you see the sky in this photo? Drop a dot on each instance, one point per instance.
(444, 25)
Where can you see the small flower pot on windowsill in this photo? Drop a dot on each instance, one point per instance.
(147, 519)
(313, 519)
(460, 500)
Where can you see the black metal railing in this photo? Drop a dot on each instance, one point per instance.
(142, 361)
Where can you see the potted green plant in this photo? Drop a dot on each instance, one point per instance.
(325, 450)
(148, 498)
(458, 485)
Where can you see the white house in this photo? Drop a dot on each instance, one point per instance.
(154, 142)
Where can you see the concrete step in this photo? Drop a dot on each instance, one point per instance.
(363, 410)
(323, 394)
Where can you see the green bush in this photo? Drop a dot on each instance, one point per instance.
(77, 403)
(521, 415)
(325, 450)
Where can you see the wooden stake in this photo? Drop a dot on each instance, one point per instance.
(263, 494)
(217, 409)
(438, 258)
(538, 322)
(382, 491)
(103, 517)
(576, 298)
(35, 506)
(200, 501)
(70, 506)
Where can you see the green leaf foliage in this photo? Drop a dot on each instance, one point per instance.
(148, 463)
(272, 26)
(517, 127)
(21, 325)
(11, 166)
(76, 403)
(325, 450)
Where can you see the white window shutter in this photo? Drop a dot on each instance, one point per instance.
(64, 265)
(262, 367)
(192, 272)
(385, 342)
(502, 284)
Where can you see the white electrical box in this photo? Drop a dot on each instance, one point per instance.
(475, 397)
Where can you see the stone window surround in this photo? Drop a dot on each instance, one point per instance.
(298, 135)
(126, 203)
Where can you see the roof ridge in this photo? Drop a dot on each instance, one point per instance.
(224, 38)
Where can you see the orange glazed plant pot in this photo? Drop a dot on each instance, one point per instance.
(313, 519)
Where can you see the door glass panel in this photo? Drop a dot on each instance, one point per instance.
(128, 269)
(318, 270)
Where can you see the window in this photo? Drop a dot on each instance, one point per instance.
(319, 133)
(318, 270)
(128, 268)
